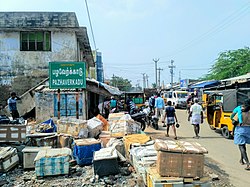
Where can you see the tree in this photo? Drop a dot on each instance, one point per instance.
(154, 85)
(230, 63)
(119, 82)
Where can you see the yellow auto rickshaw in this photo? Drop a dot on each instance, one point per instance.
(218, 113)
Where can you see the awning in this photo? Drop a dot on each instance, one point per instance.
(206, 84)
(92, 85)
(109, 90)
(239, 79)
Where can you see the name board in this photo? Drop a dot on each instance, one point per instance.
(67, 75)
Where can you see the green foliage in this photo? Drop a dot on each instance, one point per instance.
(119, 82)
(154, 85)
(230, 63)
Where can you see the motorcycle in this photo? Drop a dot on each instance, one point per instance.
(139, 117)
(151, 119)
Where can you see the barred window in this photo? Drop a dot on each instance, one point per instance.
(35, 41)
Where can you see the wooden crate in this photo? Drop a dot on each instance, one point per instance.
(155, 180)
(179, 164)
(12, 133)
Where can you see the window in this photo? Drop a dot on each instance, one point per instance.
(170, 95)
(35, 41)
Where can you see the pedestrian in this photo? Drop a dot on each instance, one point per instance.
(190, 101)
(152, 103)
(131, 107)
(159, 107)
(196, 115)
(170, 115)
(113, 104)
(104, 107)
(242, 131)
(236, 116)
(12, 104)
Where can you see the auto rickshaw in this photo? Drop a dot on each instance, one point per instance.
(218, 113)
(137, 97)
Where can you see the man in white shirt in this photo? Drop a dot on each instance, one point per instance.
(196, 113)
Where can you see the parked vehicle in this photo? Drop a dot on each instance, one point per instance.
(177, 97)
(141, 118)
(137, 97)
(151, 119)
(218, 113)
(212, 97)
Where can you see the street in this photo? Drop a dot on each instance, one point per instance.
(222, 151)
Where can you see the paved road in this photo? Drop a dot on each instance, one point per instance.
(222, 150)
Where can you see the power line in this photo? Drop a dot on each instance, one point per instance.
(92, 32)
(235, 16)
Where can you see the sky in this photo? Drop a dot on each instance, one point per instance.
(130, 34)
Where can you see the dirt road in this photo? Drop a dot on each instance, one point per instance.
(223, 153)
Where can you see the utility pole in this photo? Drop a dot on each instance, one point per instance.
(159, 77)
(156, 60)
(147, 80)
(144, 80)
(179, 76)
(171, 67)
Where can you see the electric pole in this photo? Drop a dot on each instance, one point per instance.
(147, 80)
(144, 80)
(156, 60)
(159, 77)
(179, 76)
(171, 67)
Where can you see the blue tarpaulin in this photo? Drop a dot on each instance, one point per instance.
(206, 84)
(52, 125)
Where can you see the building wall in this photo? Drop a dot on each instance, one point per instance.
(44, 106)
(25, 69)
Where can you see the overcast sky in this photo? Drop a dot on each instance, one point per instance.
(131, 33)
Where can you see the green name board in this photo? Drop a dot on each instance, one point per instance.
(67, 75)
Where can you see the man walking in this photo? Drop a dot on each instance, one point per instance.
(159, 107)
(197, 117)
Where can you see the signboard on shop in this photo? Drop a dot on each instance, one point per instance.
(67, 75)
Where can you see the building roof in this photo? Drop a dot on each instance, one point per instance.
(38, 19)
(206, 84)
(239, 79)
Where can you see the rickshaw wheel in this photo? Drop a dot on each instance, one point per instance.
(225, 132)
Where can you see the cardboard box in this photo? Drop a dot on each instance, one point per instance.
(12, 133)
(94, 126)
(71, 126)
(104, 137)
(64, 140)
(179, 164)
